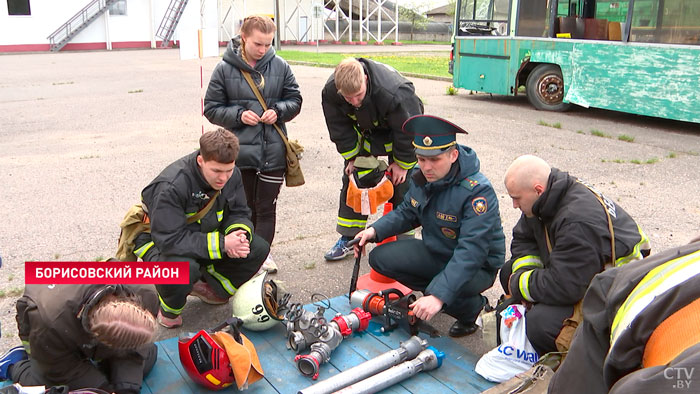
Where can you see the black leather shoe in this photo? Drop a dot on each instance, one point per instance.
(460, 329)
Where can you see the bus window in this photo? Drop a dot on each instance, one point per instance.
(533, 18)
(666, 22)
(484, 17)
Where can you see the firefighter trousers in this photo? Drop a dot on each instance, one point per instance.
(224, 275)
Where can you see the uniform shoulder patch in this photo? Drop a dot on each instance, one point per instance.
(414, 203)
(480, 205)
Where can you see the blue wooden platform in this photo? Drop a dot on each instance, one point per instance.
(456, 375)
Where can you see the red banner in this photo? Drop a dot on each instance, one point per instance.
(102, 272)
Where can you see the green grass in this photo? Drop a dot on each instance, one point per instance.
(554, 125)
(451, 90)
(14, 292)
(652, 160)
(671, 155)
(424, 65)
(625, 137)
(635, 161)
(599, 133)
(136, 91)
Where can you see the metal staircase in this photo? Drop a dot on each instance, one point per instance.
(170, 20)
(59, 38)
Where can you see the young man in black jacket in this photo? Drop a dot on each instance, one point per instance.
(221, 247)
(562, 240)
(365, 104)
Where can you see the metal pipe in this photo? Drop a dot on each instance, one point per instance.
(426, 360)
(406, 351)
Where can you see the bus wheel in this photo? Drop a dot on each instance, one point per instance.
(545, 88)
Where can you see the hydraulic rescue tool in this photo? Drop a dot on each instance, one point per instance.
(406, 351)
(392, 308)
(306, 329)
(356, 268)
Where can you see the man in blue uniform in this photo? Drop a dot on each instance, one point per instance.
(463, 245)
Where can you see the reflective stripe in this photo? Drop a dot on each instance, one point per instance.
(527, 261)
(365, 172)
(524, 285)
(225, 283)
(367, 146)
(351, 153)
(404, 164)
(241, 226)
(636, 251)
(343, 222)
(389, 147)
(143, 249)
(655, 283)
(220, 215)
(27, 348)
(168, 309)
(213, 245)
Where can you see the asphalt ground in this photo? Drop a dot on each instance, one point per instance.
(83, 132)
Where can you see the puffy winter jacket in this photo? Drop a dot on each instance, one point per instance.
(229, 95)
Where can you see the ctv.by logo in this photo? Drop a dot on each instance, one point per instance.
(681, 375)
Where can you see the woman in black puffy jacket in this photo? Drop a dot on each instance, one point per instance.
(231, 103)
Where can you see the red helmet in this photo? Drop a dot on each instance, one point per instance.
(205, 361)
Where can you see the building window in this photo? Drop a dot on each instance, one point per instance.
(18, 7)
(118, 8)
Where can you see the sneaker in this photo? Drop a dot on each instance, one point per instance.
(204, 292)
(339, 250)
(269, 265)
(168, 322)
(11, 357)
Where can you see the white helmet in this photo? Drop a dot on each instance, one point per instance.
(257, 303)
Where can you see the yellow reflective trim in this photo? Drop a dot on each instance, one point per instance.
(405, 164)
(367, 146)
(436, 146)
(225, 283)
(361, 173)
(655, 283)
(389, 147)
(524, 285)
(143, 249)
(241, 226)
(213, 245)
(220, 215)
(351, 153)
(27, 347)
(636, 251)
(352, 116)
(167, 308)
(527, 261)
(343, 222)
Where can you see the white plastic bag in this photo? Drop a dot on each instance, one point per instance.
(515, 354)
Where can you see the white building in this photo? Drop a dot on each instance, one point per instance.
(25, 25)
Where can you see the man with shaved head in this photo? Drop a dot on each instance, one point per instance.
(568, 233)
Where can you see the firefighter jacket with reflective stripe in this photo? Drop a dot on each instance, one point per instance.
(181, 191)
(461, 223)
(229, 95)
(621, 310)
(389, 101)
(570, 214)
(50, 321)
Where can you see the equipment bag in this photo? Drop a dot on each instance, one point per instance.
(515, 354)
(136, 221)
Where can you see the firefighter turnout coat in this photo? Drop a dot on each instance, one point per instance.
(640, 329)
(181, 191)
(570, 217)
(389, 101)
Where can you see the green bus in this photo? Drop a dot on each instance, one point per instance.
(636, 56)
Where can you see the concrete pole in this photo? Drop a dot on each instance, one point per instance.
(108, 41)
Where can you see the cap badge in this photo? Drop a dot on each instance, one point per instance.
(427, 141)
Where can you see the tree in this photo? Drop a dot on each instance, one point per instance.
(415, 16)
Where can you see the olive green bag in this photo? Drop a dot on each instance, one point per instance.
(136, 221)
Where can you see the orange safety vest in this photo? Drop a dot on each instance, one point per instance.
(366, 200)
